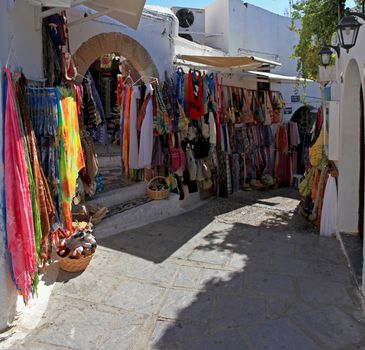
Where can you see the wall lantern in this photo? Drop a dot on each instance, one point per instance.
(348, 30)
(326, 52)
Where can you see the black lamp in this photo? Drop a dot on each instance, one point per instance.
(348, 30)
(326, 52)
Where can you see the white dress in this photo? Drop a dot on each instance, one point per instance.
(133, 139)
(329, 209)
(146, 140)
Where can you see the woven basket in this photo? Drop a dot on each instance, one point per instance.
(74, 265)
(157, 194)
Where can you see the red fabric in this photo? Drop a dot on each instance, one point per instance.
(195, 105)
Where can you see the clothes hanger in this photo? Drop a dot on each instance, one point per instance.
(152, 79)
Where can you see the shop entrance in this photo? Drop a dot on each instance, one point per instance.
(100, 60)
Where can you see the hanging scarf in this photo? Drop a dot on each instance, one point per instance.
(19, 216)
(71, 154)
(126, 133)
(42, 192)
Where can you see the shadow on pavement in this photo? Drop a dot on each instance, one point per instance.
(158, 241)
(281, 287)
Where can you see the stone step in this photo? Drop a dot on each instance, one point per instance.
(109, 161)
(147, 213)
(120, 195)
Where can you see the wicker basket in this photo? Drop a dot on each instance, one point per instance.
(157, 194)
(74, 265)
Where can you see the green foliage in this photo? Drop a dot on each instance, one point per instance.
(315, 21)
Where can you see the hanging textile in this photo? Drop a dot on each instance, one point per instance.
(42, 192)
(126, 130)
(146, 138)
(19, 217)
(71, 154)
(133, 136)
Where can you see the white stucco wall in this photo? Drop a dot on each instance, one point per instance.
(217, 21)
(255, 31)
(17, 32)
(261, 33)
(351, 74)
(154, 33)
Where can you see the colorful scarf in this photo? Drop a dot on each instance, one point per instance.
(71, 154)
(19, 215)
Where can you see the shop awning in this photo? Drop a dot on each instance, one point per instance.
(124, 11)
(231, 62)
(278, 77)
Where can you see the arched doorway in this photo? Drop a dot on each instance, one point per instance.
(100, 44)
(114, 48)
(350, 155)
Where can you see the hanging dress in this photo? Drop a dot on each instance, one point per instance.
(133, 138)
(146, 139)
(329, 209)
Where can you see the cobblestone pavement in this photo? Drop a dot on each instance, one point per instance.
(237, 274)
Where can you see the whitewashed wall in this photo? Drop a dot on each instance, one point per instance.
(217, 21)
(255, 31)
(18, 29)
(351, 74)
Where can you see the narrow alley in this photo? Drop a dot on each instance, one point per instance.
(244, 273)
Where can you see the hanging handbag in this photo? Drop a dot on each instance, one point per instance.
(259, 114)
(57, 28)
(70, 71)
(177, 155)
(202, 147)
(247, 114)
(268, 109)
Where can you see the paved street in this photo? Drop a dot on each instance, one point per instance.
(237, 274)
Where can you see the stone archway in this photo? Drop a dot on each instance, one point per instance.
(349, 161)
(103, 43)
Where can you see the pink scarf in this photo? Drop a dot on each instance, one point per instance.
(19, 218)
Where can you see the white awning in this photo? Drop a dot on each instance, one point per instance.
(278, 78)
(230, 62)
(124, 11)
